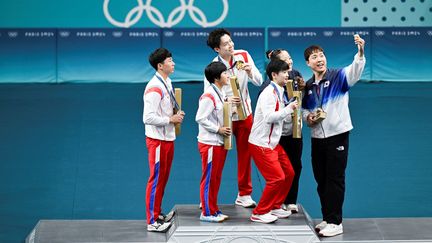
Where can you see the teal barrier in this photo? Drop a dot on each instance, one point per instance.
(121, 55)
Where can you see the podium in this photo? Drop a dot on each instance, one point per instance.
(186, 227)
(237, 229)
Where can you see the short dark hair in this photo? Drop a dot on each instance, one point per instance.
(276, 66)
(273, 54)
(214, 37)
(214, 70)
(268, 53)
(158, 56)
(312, 49)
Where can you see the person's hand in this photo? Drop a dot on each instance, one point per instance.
(224, 131)
(293, 105)
(360, 44)
(180, 112)
(301, 83)
(310, 120)
(235, 100)
(177, 118)
(248, 68)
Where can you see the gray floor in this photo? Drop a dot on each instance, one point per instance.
(187, 222)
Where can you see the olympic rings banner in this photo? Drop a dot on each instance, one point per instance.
(157, 18)
(166, 14)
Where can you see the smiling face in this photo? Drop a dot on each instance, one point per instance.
(281, 78)
(226, 47)
(224, 78)
(317, 62)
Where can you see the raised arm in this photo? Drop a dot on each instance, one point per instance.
(253, 72)
(355, 69)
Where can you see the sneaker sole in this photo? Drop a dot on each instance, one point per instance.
(261, 221)
(281, 216)
(156, 230)
(212, 221)
(322, 235)
(245, 206)
(225, 218)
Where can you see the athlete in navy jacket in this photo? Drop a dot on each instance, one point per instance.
(328, 90)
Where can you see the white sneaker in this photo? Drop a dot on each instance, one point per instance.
(168, 217)
(292, 207)
(263, 218)
(200, 206)
(224, 216)
(245, 201)
(159, 226)
(331, 230)
(212, 218)
(320, 226)
(280, 213)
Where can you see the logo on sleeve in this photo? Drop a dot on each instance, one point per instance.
(340, 148)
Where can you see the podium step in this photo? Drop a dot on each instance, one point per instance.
(238, 228)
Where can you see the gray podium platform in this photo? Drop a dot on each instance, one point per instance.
(188, 228)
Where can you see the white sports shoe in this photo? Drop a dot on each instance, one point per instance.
(245, 201)
(212, 218)
(320, 226)
(224, 216)
(331, 230)
(292, 207)
(263, 218)
(167, 217)
(159, 226)
(280, 213)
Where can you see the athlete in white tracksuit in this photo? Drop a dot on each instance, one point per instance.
(270, 158)
(159, 120)
(210, 117)
(220, 41)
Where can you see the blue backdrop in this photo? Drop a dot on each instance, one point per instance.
(121, 55)
(100, 55)
(28, 55)
(338, 45)
(192, 54)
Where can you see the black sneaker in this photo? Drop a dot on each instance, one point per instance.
(168, 217)
(159, 226)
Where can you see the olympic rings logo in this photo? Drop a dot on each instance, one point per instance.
(136, 13)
